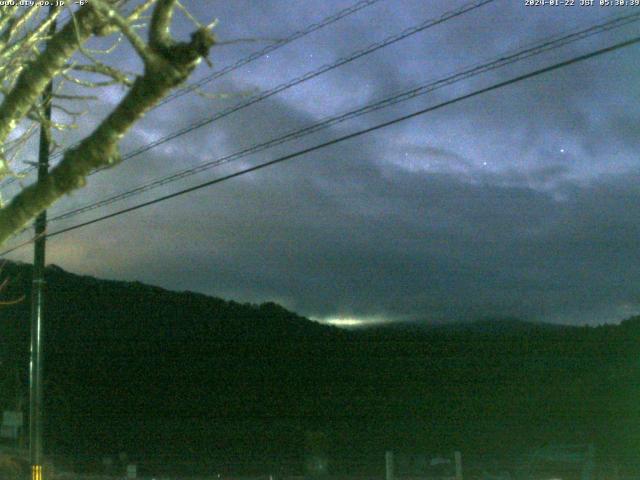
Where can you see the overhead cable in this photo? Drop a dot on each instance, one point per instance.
(350, 136)
(503, 60)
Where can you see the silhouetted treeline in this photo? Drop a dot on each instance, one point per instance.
(134, 368)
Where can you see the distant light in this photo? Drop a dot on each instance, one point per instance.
(484, 163)
(562, 150)
(344, 322)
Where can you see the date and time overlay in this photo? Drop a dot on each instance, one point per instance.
(41, 3)
(527, 3)
(581, 3)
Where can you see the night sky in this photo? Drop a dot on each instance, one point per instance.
(519, 202)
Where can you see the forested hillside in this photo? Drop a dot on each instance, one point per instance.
(135, 368)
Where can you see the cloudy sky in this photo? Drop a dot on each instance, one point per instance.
(522, 201)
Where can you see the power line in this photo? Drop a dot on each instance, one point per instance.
(240, 63)
(269, 49)
(350, 136)
(307, 76)
(503, 60)
(314, 73)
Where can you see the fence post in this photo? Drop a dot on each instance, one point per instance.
(388, 459)
(458, 459)
(588, 467)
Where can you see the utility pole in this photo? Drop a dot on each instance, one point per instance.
(37, 293)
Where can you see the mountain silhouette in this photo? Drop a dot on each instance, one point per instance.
(198, 383)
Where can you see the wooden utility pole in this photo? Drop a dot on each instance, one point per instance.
(37, 294)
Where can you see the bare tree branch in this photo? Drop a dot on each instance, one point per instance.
(167, 65)
(160, 35)
(103, 69)
(125, 27)
(37, 75)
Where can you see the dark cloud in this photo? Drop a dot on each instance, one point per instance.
(519, 202)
